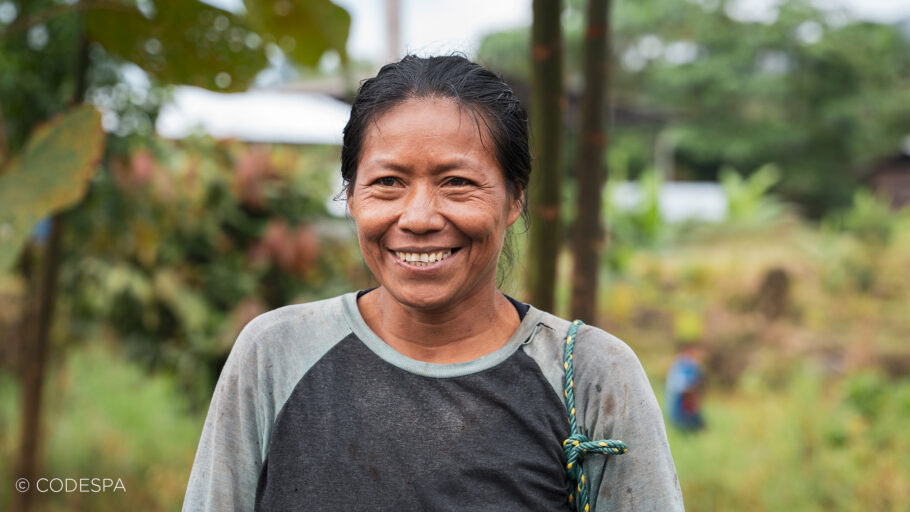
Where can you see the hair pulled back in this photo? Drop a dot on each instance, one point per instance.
(494, 106)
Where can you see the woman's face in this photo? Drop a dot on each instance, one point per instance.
(431, 204)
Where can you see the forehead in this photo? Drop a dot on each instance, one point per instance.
(425, 128)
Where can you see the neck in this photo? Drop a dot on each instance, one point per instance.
(478, 325)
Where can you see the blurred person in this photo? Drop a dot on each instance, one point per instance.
(685, 386)
(433, 390)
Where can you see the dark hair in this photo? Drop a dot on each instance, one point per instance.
(483, 93)
(487, 96)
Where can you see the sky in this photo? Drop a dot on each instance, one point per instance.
(444, 26)
(431, 26)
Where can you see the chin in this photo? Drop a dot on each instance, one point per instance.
(422, 300)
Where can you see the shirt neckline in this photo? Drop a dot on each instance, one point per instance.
(520, 307)
(385, 352)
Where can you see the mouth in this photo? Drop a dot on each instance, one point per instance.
(426, 258)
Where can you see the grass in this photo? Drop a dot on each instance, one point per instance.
(802, 446)
(107, 418)
(806, 411)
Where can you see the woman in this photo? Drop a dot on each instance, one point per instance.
(433, 391)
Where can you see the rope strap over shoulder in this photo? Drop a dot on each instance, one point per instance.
(577, 446)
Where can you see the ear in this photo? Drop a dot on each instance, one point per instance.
(349, 189)
(349, 202)
(515, 208)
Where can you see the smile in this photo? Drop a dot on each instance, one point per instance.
(424, 259)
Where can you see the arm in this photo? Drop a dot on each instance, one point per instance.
(617, 402)
(229, 458)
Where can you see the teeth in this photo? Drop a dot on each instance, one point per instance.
(422, 259)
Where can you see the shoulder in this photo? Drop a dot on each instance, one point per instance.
(593, 345)
(603, 364)
(277, 348)
(599, 349)
(292, 328)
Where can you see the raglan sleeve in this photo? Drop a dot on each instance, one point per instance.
(229, 457)
(618, 403)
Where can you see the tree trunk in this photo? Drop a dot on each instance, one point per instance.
(588, 233)
(546, 131)
(37, 318)
(36, 325)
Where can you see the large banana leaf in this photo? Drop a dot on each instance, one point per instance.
(49, 175)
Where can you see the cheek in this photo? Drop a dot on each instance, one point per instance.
(480, 225)
(489, 219)
(369, 239)
(372, 222)
(369, 236)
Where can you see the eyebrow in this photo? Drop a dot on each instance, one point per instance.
(446, 166)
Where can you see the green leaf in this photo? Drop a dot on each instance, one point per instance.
(49, 175)
(183, 42)
(304, 29)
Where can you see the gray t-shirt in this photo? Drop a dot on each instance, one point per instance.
(313, 411)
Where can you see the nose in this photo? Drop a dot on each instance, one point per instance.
(420, 212)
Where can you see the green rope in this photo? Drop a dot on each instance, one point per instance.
(577, 446)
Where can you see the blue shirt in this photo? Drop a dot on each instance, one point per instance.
(681, 393)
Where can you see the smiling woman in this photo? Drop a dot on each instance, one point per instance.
(432, 207)
(434, 390)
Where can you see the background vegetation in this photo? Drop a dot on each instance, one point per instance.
(170, 247)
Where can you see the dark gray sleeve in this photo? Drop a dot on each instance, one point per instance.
(615, 401)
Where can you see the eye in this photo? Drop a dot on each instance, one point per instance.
(386, 181)
(457, 181)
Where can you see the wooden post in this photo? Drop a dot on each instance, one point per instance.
(588, 233)
(546, 132)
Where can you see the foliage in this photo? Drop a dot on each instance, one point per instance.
(36, 80)
(182, 42)
(719, 274)
(790, 90)
(51, 174)
(189, 42)
(869, 218)
(805, 411)
(639, 225)
(171, 248)
(806, 445)
(50, 48)
(180, 244)
(748, 200)
(65, 51)
(871, 229)
(794, 89)
(195, 43)
(304, 29)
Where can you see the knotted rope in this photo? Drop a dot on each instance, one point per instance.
(577, 446)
